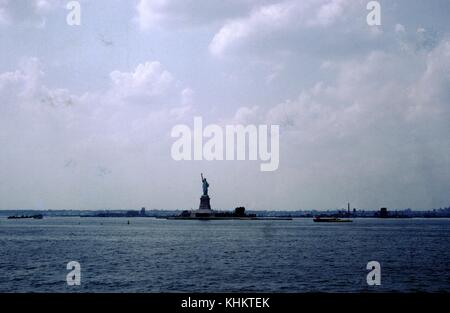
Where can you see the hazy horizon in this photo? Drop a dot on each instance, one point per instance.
(225, 209)
(86, 112)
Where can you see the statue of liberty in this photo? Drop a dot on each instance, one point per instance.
(204, 200)
(205, 185)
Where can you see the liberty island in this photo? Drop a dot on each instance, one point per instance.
(205, 212)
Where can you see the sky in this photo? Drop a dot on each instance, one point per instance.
(86, 112)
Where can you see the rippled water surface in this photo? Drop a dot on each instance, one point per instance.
(155, 255)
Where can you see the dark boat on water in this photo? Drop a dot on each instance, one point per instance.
(36, 217)
(330, 220)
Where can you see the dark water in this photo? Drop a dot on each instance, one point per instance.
(151, 255)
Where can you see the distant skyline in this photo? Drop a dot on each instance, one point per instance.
(86, 112)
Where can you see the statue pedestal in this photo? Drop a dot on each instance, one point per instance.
(205, 203)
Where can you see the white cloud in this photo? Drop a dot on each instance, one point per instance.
(98, 134)
(382, 120)
(276, 18)
(328, 12)
(363, 123)
(45, 6)
(187, 96)
(264, 18)
(149, 79)
(4, 18)
(431, 93)
(149, 13)
(369, 92)
(155, 14)
(31, 14)
(241, 20)
(246, 115)
(399, 28)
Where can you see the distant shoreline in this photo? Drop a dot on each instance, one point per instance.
(160, 213)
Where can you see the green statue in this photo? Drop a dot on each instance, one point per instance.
(205, 185)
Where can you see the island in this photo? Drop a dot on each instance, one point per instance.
(205, 212)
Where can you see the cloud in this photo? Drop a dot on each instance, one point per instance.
(66, 143)
(264, 18)
(149, 79)
(4, 15)
(149, 13)
(156, 14)
(431, 93)
(379, 89)
(28, 13)
(23, 82)
(187, 96)
(399, 28)
(379, 127)
(285, 16)
(363, 110)
(328, 12)
(246, 115)
(45, 6)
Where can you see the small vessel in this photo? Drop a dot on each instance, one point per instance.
(330, 220)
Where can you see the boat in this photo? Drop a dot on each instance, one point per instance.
(320, 219)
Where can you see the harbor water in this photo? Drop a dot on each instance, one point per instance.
(158, 255)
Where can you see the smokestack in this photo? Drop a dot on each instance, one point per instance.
(348, 209)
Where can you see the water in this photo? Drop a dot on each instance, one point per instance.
(152, 255)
